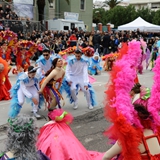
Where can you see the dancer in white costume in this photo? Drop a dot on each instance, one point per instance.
(77, 75)
(45, 62)
(26, 87)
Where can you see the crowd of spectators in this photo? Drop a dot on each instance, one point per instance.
(10, 20)
(105, 42)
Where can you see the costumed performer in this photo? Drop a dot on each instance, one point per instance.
(68, 54)
(154, 55)
(95, 66)
(24, 51)
(111, 58)
(27, 86)
(148, 57)
(51, 84)
(135, 128)
(109, 61)
(45, 61)
(142, 59)
(8, 39)
(149, 146)
(5, 52)
(140, 94)
(77, 77)
(58, 142)
(21, 140)
(5, 85)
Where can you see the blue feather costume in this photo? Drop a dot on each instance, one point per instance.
(15, 107)
(95, 65)
(65, 87)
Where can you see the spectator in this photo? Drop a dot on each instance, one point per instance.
(106, 43)
(96, 41)
(28, 25)
(73, 40)
(1, 26)
(1, 7)
(7, 9)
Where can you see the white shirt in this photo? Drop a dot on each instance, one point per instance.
(24, 86)
(44, 68)
(78, 69)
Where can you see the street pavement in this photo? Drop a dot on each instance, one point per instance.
(88, 125)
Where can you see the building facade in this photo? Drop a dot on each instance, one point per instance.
(101, 4)
(83, 7)
(151, 4)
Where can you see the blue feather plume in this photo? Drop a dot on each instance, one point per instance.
(14, 106)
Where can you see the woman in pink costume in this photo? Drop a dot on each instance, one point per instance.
(135, 128)
(58, 142)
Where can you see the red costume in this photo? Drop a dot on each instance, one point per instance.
(5, 85)
(7, 40)
(24, 51)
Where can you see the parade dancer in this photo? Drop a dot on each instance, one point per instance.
(142, 59)
(45, 61)
(51, 84)
(95, 66)
(4, 81)
(58, 142)
(8, 39)
(139, 121)
(77, 76)
(26, 87)
(24, 51)
(5, 51)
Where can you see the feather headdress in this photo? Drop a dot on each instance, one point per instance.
(118, 107)
(8, 36)
(29, 45)
(154, 101)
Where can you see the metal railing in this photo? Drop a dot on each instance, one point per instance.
(22, 25)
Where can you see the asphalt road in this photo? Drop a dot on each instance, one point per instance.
(88, 125)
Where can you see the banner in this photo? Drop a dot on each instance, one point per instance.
(23, 1)
(71, 16)
(24, 10)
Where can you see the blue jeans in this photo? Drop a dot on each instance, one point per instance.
(97, 46)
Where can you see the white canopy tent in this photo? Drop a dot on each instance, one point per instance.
(140, 24)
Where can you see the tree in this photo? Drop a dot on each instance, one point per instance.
(99, 16)
(156, 19)
(120, 15)
(112, 3)
(145, 13)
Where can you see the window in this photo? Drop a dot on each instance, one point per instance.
(72, 25)
(50, 3)
(65, 28)
(82, 4)
(155, 5)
